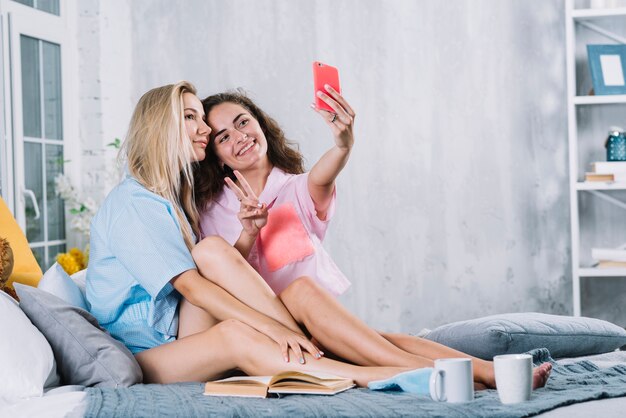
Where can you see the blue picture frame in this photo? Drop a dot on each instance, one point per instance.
(607, 64)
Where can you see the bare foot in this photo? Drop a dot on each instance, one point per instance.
(541, 375)
(479, 386)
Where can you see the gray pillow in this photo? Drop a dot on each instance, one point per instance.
(85, 353)
(563, 336)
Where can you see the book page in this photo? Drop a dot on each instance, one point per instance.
(263, 380)
(311, 389)
(317, 378)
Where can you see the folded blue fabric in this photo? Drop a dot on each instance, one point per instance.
(413, 381)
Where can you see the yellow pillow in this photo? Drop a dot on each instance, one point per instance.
(25, 267)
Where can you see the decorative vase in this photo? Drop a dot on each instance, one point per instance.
(616, 146)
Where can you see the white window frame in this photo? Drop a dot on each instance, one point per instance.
(6, 150)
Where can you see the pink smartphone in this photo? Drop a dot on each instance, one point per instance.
(324, 74)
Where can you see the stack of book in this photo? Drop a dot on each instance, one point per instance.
(610, 257)
(607, 171)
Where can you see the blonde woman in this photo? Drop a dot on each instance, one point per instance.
(142, 261)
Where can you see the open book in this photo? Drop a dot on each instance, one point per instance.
(314, 383)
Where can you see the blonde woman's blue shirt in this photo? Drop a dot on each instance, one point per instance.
(136, 248)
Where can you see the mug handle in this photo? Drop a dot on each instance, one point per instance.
(433, 386)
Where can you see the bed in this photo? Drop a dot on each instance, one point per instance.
(72, 401)
(55, 361)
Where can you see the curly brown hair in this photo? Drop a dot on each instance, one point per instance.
(282, 153)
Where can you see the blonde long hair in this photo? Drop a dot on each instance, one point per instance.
(159, 153)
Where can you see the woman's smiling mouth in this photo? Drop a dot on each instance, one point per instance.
(246, 148)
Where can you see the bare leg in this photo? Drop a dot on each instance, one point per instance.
(207, 355)
(431, 349)
(350, 338)
(340, 331)
(192, 320)
(222, 264)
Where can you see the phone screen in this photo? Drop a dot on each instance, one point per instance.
(324, 74)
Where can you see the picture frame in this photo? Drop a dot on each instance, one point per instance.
(607, 64)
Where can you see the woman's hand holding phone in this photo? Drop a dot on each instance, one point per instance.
(335, 109)
(323, 75)
(340, 118)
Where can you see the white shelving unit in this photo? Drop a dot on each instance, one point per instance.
(591, 19)
(590, 100)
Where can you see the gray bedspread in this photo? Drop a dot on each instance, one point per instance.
(572, 383)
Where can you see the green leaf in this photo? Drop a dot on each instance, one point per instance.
(75, 211)
(115, 144)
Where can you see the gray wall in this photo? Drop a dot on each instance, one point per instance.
(455, 202)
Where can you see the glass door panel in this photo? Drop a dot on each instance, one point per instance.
(39, 253)
(33, 182)
(55, 217)
(52, 104)
(53, 250)
(50, 6)
(31, 88)
(30, 3)
(42, 124)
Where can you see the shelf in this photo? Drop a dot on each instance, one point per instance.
(583, 14)
(601, 272)
(600, 185)
(581, 26)
(605, 99)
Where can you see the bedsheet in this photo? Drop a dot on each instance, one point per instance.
(72, 402)
(606, 407)
(60, 402)
(571, 382)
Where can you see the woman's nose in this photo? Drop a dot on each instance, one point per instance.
(205, 129)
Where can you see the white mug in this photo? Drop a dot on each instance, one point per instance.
(452, 380)
(514, 377)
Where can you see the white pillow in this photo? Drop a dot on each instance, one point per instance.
(80, 278)
(57, 282)
(26, 359)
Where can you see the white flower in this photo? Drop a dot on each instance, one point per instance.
(64, 188)
(81, 223)
(81, 209)
(90, 205)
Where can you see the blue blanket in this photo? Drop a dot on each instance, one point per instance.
(568, 384)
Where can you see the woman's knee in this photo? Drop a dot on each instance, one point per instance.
(213, 252)
(302, 289)
(302, 298)
(235, 333)
(210, 247)
(239, 340)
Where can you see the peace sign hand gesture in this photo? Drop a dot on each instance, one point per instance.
(252, 213)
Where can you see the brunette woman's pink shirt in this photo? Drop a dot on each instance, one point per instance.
(290, 245)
